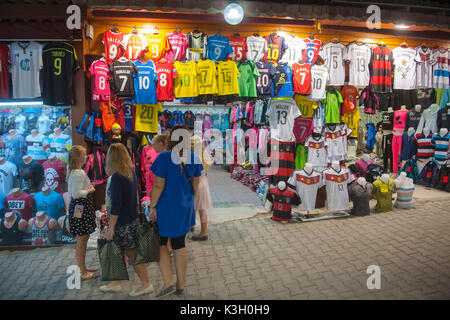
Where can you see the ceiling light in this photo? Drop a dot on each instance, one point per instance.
(233, 13)
(402, 26)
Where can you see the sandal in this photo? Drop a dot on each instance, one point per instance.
(87, 275)
(92, 269)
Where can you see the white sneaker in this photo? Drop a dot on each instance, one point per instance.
(110, 289)
(133, 292)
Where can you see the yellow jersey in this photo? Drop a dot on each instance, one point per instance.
(207, 81)
(352, 120)
(227, 73)
(146, 118)
(186, 84)
(305, 106)
(157, 46)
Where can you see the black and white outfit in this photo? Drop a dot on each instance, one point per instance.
(78, 186)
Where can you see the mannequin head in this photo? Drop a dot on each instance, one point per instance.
(46, 190)
(335, 165)
(443, 132)
(2, 160)
(40, 215)
(10, 216)
(403, 175)
(403, 107)
(27, 159)
(282, 185)
(426, 131)
(418, 108)
(362, 181)
(57, 131)
(308, 168)
(16, 191)
(390, 109)
(411, 131)
(52, 157)
(366, 157)
(34, 133)
(385, 178)
(12, 132)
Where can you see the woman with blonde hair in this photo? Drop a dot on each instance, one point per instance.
(124, 223)
(203, 196)
(81, 209)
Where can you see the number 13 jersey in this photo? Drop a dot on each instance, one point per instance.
(282, 114)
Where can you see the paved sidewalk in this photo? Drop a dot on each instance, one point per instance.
(257, 258)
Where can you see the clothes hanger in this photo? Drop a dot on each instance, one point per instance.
(359, 41)
(256, 34)
(381, 43)
(156, 30)
(311, 36)
(135, 31)
(335, 40)
(404, 45)
(236, 35)
(177, 30)
(115, 29)
(196, 30)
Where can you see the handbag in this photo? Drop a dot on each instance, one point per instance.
(112, 261)
(183, 168)
(148, 244)
(78, 211)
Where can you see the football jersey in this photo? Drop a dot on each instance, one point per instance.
(178, 45)
(113, 48)
(248, 73)
(166, 75)
(257, 46)
(122, 72)
(282, 81)
(359, 56)
(349, 95)
(227, 81)
(311, 53)
(100, 72)
(319, 117)
(207, 82)
(336, 185)
(218, 48)
(405, 68)
(295, 47)
(282, 114)
(352, 120)
(333, 55)
(424, 68)
(319, 80)
(145, 82)
(264, 84)
(128, 112)
(317, 152)
(4, 73)
(239, 46)
(276, 47)
(381, 64)
(158, 45)
(60, 63)
(26, 61)
(333, 141)
(306, 186)
(332, 110)
(441, 68)
(302, 78)
(186, 83)
(305, 106)
(197, 43)
(303, 128)
(135, 46)
(147, 117)
(110, 115)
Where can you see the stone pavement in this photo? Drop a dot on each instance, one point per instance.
(257, 258)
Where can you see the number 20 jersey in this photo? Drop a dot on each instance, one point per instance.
(282, 114)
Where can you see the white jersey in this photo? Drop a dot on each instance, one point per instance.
(405, 68)
(359, 57)
(333, 55)
(294, 51)
(256, 47)
(8, 171)
(335, 146)
(317, 152)
(306, 187)
(319, 117)
(336, 185)
(319, 80)
(26, 61)
(282, 114)
(424, 69)
(345, 132)
(441, 68)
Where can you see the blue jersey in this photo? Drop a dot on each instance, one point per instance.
(51, 204)
(128, 115)
(145, 83)
(218, 48)
(283, 81)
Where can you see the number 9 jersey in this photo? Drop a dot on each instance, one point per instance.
(60, 63)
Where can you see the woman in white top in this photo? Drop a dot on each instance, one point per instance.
(81, 209)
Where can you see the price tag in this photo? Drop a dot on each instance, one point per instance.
(384, 188)
(98, 122)
(428, 174)
(445, 179)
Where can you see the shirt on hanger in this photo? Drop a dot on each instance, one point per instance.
(218, 48)
(158, 45)
(319, 80)
(352, 120)
(332, 100)
(26, 62)
(122, 72)
(441, 68)
(207, 83)
(186, 83)
(405, 68)
(349, 95)
(178, 45)
(302, 78)
(282, 114)
(359, 56)
(283, 81)
(333, 55)
(303, 128)
(145, 82)
(135, 46)
(112, 43)
(146, 119)
(276, 46)
(429, 119)
(424, 68)
(239, 47)
(248, 73)
(333, 142)
(166, 74)
(101, 90)
(381, 64)
(227, 83)
(305, 106)
(197, 43)
(311, 53)
(294, 50)
(4, 74)
(264, 85)
(257, 46)
(317, 152)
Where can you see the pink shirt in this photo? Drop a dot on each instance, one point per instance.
(178, 44)
(303, 128)
(399, 121)
(100, 71)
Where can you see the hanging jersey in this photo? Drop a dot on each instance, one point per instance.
(145, 82)
(239, 47)
(248, 73)
(381, 63)
(306, 186)
(186, 83)
(227, 83)
(264, 85)
(282, 114)
(319, 117)
(259, 112)
(110, 115)
(113, 48)
(305, 106)
(332, 102)
(311, 53)
(135, 46)
(424, 68)
(333, 55)
(295, 47)
(207, 83)
(128, 112)
(282, 81)
(335, 150)
(405, 68)
(122, 72)
(218, 48)
(178, 45)
(4, 74)
(158, 45)
(359, 56)
(317, 152)
(257, 46)
(276, 47)
(100, 71)
(352, 120)
(303, 128)
(302, 78)
(26, 62)
(319, 80)
(147, 117)
(197, 43)
(441, 68)
(349, 95)
(336, 186)
(166, 74)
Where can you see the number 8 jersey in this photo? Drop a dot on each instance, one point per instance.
(166, 73)
(100, 72)
(282, 114)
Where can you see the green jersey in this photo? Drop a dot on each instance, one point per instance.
(247, 79)
(332, 111)
(301, 156)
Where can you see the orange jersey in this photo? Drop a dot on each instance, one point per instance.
(135, 46)
(157, 46)
(110, 115)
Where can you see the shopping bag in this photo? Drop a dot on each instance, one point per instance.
(112, 261)
(148, 244)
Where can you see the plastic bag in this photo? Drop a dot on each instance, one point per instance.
(112, 261)
(148, 244)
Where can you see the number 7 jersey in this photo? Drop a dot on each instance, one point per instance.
(122, 72)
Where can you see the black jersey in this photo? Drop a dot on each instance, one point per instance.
(122, 71)
(60, 63)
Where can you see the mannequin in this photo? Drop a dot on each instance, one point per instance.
(308, 168)
(390, 109)
(418, 108)
(337, 179)
(50, 202)
(306, 183)
(42, 227)
(411, 131)
(403, 107)
(282, 199)
(383, 189)
(31, 175)
(12, 228)
(443, 132)
(385, 178)
(362, 182)
(336, 166)
(55, 172)
(360, 193)
(405, 190)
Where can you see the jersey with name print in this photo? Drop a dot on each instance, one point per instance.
(294, 50)
(218, 48)
(424, 68)
(186, 83)
(305, 106)
(122, 72)
(239, 46)
(166, 75)
(197, 43)
(359, 56)
(227, 78)
(319, 80)
(441, 68)
(405, 68)
(311, 53)
(26, 62)
(178, 45)
(264, 84)
(147, 117)
(381, 64)
(336, 185)
(257, 46)
(157, 46)
(113, 48)
(128, 114)
(207, 81)
(302, 78)
(135, 46)
(145, 82)
(282, 114)
(60, 63)
(276, 47)
(333, 55)
(317, 151)
(306, 186)
(101, 90)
